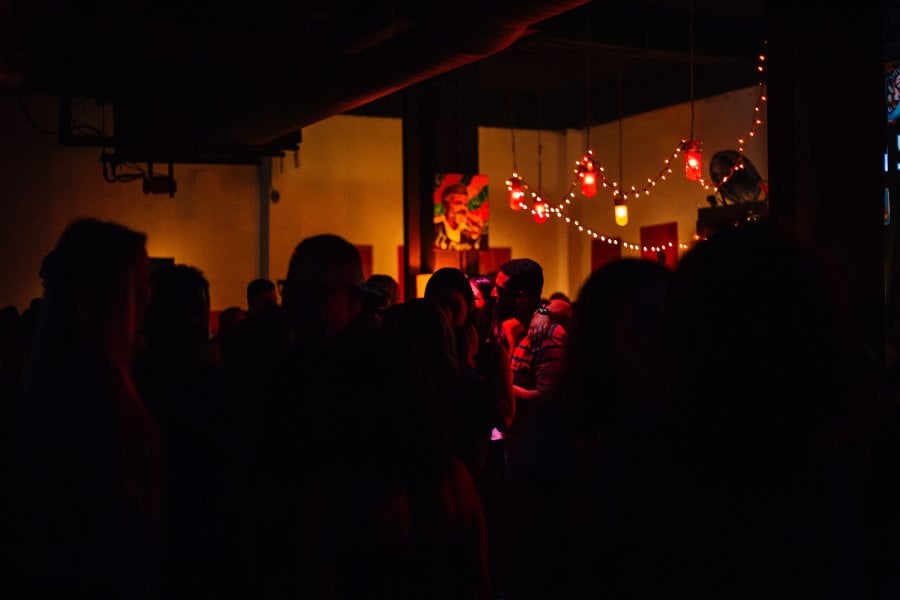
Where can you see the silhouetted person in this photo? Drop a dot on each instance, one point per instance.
(484, 400)
(88, 452)
(485, 310)
(387, 284)
(10, 373)
(450, 289)
(260, 294)
(387, 513)
(599, 495)
(28, 327)
(229, 319)
(374, 301)
(251, 347)
(321, 291)
(187, 394)
(10, 359)
(559, 296)
(492, 360)
(766, 501)
(422, 322)
(321, 299)
(613, 378)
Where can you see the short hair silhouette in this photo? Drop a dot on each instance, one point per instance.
(88, 283)
(259, 288)
(387, 284)
(525, 275)
(321, 269)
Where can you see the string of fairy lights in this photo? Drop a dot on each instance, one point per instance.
(589, 173)
(761, 99)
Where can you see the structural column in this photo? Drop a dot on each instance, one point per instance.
(826, 143)
(440, 135)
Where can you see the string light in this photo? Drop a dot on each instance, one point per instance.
(760, 100)
(619, 198)
(614, 241)
(611, 240)
(541, 211)
(755, 124)
(616, 187)
(666, 169)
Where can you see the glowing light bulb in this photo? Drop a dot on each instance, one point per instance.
(587, 171)
(516, 188)
(540, 212)
(589, 185)
(693, 159)
(621, 215)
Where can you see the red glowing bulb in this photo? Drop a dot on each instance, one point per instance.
(587, 171)
(589, 184)
(693, 159)
(516, 188)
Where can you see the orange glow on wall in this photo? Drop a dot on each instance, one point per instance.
(421, 282)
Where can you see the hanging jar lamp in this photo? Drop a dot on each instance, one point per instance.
(516, 188)
(693, 159)
(621, 211)
(588, 171)
(692, 148)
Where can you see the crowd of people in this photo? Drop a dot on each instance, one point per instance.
(715, 431)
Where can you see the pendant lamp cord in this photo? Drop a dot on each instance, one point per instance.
(691, 38)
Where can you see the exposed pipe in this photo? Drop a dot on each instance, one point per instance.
(428, 49)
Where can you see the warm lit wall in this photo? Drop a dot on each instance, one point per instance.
(648, 140)
(349, 182)
(212, 222)
(547, 243)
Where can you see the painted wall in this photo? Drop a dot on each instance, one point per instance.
(648, 140)
(349, 182)
(547, 243)
(211, 223)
